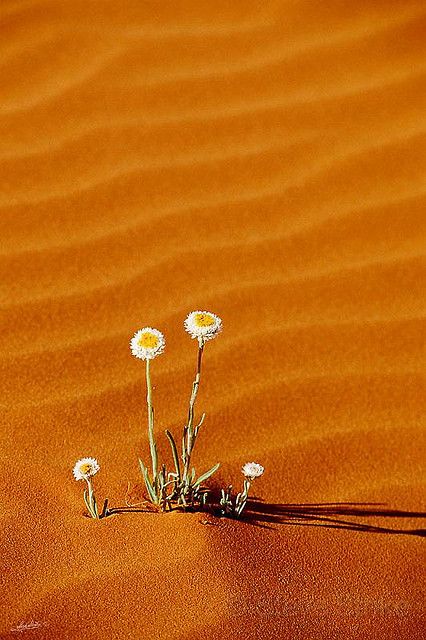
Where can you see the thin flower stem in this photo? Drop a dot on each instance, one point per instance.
(92, 500)
(242, 498)
(195, 386)
(152, 444)
(190, 440)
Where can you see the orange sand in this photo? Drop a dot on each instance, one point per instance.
(264, 160)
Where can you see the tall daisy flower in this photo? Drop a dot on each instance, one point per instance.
(203, 326)
(147, 344)
(85, 469)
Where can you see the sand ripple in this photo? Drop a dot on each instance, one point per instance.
(264, 160)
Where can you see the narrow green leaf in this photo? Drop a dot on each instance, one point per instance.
(154, 455)
(174, 452)
(206, 475)
(88, 504)
(197, 428)
(148, 484)
(184, 452)
(241, 508)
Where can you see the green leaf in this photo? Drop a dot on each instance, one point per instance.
(174, 452)
(240, 504)
(197, 428)
(184, 452)
(206, 475)
(88, 504)
(148, 484)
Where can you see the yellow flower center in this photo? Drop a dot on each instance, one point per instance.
(148, 340)
(204, 320)
(85, 468)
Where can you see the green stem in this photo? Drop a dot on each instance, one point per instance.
(243, 498)
(190, 440)
(92, 500)
(174, 452)
(152, 444)
(195, 386)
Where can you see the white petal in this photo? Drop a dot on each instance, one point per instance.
(205, 333)
(147, 353)
(93, 465)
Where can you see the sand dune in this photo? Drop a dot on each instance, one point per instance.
(265, 161)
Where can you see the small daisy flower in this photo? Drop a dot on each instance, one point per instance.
(147, 343)
(203, 325)
(252, 470)
(85, 468)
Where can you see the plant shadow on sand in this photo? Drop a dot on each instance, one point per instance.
(333, 515)
(329, 515)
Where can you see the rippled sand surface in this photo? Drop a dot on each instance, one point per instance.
(265, 160)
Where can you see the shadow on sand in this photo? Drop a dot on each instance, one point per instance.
(330, 515)
(337, 515)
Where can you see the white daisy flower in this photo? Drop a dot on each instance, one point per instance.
(252, 470)
(85, 468)
(147, 343)
(203, 325)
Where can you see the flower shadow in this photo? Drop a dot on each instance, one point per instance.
(330, 515)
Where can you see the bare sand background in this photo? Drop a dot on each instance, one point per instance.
(265, 161)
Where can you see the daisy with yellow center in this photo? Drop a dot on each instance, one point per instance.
(203, 325)
(85, 469)
(147, 344)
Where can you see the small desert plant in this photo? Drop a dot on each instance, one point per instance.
(250, 471)
(180, 487)
(85, 469)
